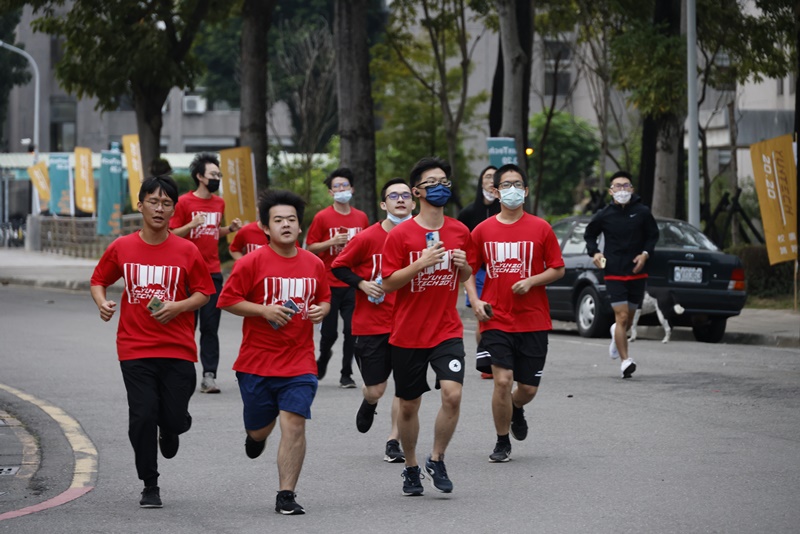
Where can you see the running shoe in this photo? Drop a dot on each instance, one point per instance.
(168, 443)
(438, 475)
(502, 453)
(347, 382)
(286, 505)
(519, 426)
(254, 448)
(208, 384)
(365, 416)
(394, 454)
(627, 367)
(151, 497)
(412, 483)
(612, 348)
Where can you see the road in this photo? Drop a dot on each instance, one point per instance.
(704, 438)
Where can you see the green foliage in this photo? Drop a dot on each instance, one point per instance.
(13, 67)
(217, 48)
(567, 159)
(763, 279)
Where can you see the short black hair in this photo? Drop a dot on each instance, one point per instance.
(160, 167)
(198, 165)
(426, 164)
(273, 197)
(387, 185)
(509, 168)
(621, 174)
(341, 172)
(164, 183)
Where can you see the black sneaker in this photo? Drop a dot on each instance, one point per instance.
(438, 475)
(502, 453)
(286, 505)
(322, 367)
(519, 426)
(347, 382)
(365, 416)
(394, 454)
(151, 497)
(168, 443)
(412, 483)
(254, 448)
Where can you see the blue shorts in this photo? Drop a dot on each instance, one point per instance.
(264, 397)
(480, 278)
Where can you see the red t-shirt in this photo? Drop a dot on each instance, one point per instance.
(362, 255)
(513, 252)
(249, 238)
(325, 225)
(265, 277)
(206, 236)
(171, 271)
(425, 310)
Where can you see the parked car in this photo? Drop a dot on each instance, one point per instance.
(686, 268)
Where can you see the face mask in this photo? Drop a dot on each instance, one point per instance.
(397, 220)
(213, 186)
(622, 197)
(512, 198)
(343, 197)
(437, 195)
(488, 196)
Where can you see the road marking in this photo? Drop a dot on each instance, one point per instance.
(84, 474)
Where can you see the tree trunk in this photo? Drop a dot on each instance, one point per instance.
(514, 62)
(734, 171)
(256, 19)
(149, 121)
(354, 94)
(647, 163)
(665, 183)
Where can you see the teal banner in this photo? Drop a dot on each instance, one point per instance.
(502, 151)
(109, 203)
(61, 196)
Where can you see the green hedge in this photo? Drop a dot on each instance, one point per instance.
(763, 279)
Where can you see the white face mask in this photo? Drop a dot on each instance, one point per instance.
(488, 196)
(512, 198)
(343, 197)
(622, 197)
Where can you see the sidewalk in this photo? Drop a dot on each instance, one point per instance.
(773, 328)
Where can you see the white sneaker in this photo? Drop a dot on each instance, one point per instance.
(208, 384)
(612, 348)
(627, 367)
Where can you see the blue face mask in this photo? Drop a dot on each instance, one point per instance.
(437, 195)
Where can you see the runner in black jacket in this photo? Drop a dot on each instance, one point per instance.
(630, 233)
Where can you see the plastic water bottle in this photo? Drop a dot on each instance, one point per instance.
(379, 281)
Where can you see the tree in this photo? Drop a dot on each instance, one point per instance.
(354, 96)
(515, 64)
(13, 67)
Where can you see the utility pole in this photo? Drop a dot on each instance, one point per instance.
(30, 59)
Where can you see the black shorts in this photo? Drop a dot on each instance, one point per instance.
(374, 358)
(523, 352)
(630, 291)
(411, 367)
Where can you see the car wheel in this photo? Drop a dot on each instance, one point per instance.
(710, 330)
(589, 317)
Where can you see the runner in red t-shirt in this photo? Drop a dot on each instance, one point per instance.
(166, 279)
(281, 291)
(522, 255)
(360, 266)
(425, 259)
(249, 238)
(198, 217)
(329, 232)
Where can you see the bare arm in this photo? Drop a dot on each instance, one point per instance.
(549, 275)
(183, 231)
(171, 309)
(234, 226)
(106, 307)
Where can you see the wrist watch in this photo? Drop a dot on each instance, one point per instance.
(646, 254)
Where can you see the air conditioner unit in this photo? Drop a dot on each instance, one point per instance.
(194, 104)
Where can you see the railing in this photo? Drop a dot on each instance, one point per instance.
(77, 236)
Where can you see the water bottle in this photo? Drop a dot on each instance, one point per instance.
(379, 281)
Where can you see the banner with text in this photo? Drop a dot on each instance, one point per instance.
(133, 160)
(61, 197)
(775, 170)
(238, 184)
(502, 151)
(41, 181)
(109, 205)
(84, 180)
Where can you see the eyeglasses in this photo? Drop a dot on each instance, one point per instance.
(509, 185)
(619, 187)
(340, 187)
(432, 183)
(165, 204)
(395, 196)
(215, 175)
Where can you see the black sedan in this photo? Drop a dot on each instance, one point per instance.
(686, 269)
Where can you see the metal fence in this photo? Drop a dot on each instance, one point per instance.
(77, 236)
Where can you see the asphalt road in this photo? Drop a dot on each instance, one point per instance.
(704, 438)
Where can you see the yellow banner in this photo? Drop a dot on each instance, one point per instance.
(775, 173)
(41, 181)
(238, 184)
(84, 180)
(133, 159)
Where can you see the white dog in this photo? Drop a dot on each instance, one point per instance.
(650, 305)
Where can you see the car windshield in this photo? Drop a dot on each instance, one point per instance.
(678, 234)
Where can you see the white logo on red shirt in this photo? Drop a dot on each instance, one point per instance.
(333, 232)
(250, 247)
(444, 273)
(300, 290)
(143, 282)
(508, 258)
(377, 266)
(211, 226)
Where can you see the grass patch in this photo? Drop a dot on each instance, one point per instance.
(783, 302)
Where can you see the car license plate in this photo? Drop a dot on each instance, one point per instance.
(689, 275)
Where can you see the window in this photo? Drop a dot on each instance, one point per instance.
(558, 59)
(576, 244)
(62, 125)
(557, 83)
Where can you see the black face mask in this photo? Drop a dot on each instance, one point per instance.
(213, 186)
